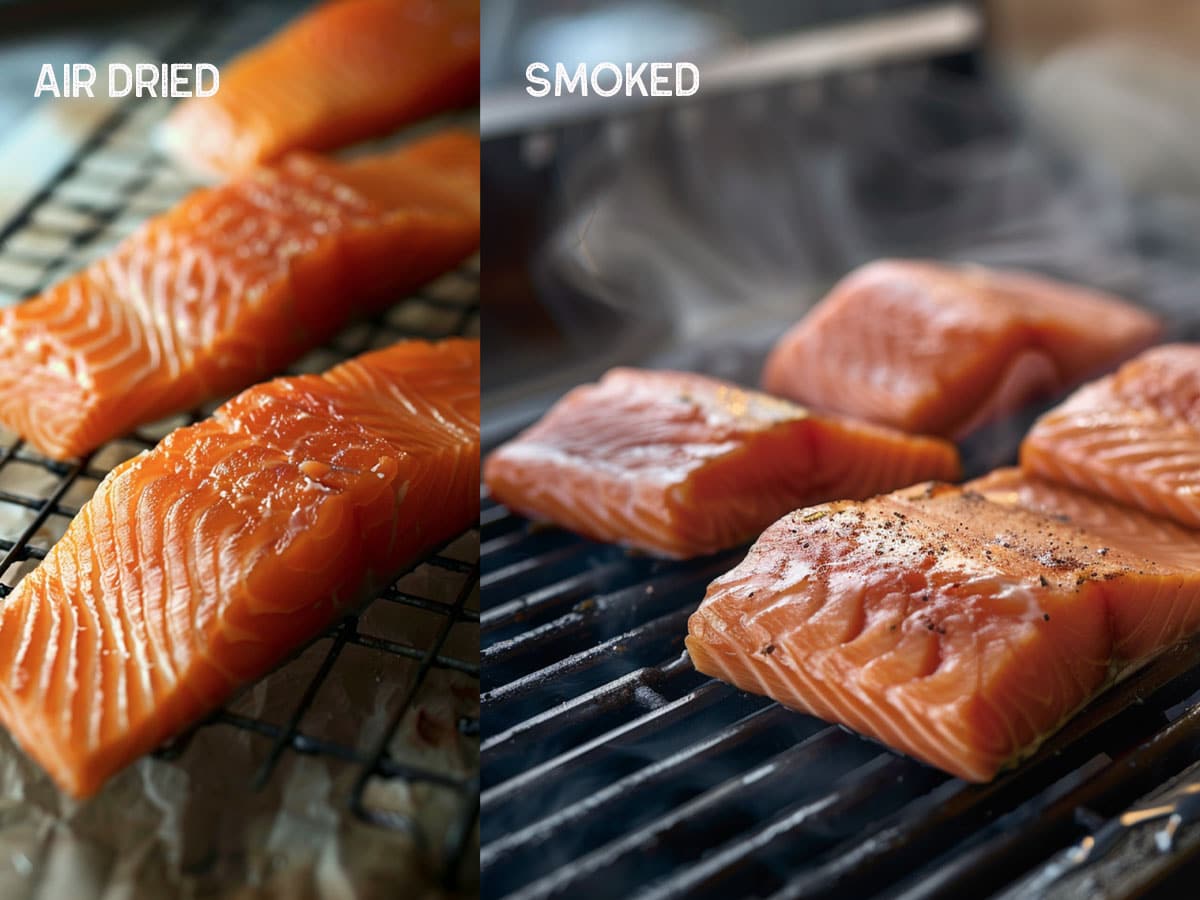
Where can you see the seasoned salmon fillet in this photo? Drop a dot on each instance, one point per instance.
(1133, 436)
(345, 71)
(681, 465)
(960, 625)
(937, 349)
(200, 565)
(231, 286)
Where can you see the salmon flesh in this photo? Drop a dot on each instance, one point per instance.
(959, 625)
(936, 349)
(680, 465)
(1133, 436)
(346, 71)
(231, 286)
(201, 564)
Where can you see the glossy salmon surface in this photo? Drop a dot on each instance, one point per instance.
(231, 286)
(937, 349)
(201, 564)
(959, 625)
(1133, 436)
(346, 71)
(680, 465)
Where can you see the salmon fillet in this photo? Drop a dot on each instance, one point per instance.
(1133, 436)
(958, 625)
(231, 286)
(680, 465)
(200, 565)
(938, 349)
(346, 71)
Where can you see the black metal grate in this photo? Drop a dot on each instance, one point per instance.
(611, 765)
(111, 184)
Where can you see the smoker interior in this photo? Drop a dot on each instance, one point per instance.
(609, 762)
(113, 183)
(612, 768)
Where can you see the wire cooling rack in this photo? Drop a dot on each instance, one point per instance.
(112, 184)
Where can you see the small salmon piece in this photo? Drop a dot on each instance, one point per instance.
(681, 465)
(938, 349)
(202, 564)
(231, 286)
(961, 626)
(346, 71)
(1133, 436)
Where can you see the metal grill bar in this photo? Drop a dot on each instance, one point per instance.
(57, 211)
(642, 773)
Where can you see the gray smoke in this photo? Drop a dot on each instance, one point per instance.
(731, 216)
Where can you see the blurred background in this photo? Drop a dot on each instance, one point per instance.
(1057, 136)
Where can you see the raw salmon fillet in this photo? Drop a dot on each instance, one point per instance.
(346, 71)
(230, 286)
(1133, 436)
(938, 349)
(680, 465)
(958, 625)
(200, 565)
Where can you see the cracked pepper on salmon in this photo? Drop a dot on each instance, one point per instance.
(680, 465)
(346, 71)
(960, 625)
(937, 349)
(201, 564)
(230, 286)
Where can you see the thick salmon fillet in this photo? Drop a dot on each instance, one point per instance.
(202, 564)
(958, 625)
(938, 349)
(680, 465)
(346, 71)
(1133, 436)
(230, 286)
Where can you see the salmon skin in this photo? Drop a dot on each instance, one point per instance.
(346, 71)
(1133, 436)
(231, 286)
(680, 465)
(959, 625)
(937, 349)
(200, 565)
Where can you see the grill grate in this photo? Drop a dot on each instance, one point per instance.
(610, 764)
(110, 185)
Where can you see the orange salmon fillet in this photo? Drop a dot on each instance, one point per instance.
(681, 465)
(958, 625)
(346, 71)
(1133, 436)
(938, 349)
(200, 565)
(231, 286)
